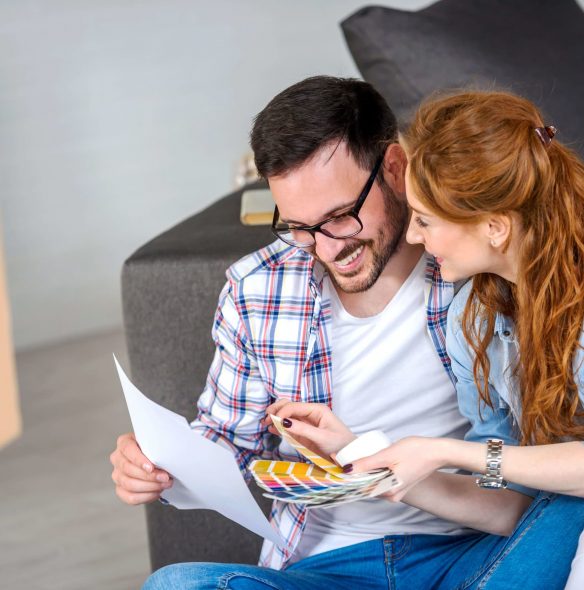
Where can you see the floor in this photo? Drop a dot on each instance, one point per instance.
(61, 525)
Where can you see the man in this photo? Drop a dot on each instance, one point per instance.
(341, 311)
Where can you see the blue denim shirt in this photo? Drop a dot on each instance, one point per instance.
(503, 420)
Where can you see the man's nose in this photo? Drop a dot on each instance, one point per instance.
(327, 249)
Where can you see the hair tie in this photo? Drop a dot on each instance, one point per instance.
(546, 134)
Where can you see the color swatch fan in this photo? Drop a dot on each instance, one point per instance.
(320, 483)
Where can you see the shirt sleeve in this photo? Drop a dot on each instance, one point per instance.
(579, 367)
(485, 422)
(234, 399)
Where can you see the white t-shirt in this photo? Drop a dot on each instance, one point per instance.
(386, 376)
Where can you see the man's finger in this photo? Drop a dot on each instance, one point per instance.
(132, 485)
(135, 499)
(131, 470)
(131, 451)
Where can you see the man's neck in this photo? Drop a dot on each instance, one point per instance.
(374, 300)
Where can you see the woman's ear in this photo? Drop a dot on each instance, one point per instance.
(394, 168)
(498, 229)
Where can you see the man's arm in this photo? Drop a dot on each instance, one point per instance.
(234, 400)
(230, 409)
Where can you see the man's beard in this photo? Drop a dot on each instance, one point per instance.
(386, 244)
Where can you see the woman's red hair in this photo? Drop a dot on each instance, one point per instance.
(476, 153)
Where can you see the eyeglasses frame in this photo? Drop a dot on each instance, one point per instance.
(353, 212)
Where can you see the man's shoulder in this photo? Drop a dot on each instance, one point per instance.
(274, 258)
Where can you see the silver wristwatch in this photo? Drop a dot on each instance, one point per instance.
(492, 479)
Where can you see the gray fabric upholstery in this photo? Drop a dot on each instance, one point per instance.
(170, 288)
(532, 47)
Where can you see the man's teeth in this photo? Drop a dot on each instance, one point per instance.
(351, 257)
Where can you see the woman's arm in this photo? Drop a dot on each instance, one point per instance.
(450, 496)
(555, 468)
(457, 498)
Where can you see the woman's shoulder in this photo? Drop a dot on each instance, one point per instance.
(457, 306)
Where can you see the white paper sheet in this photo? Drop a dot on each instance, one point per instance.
(205, 474)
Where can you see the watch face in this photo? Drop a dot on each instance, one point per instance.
(493, 484)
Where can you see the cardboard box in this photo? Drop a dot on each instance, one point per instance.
(10, 419)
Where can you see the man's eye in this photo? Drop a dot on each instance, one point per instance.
(419, 221)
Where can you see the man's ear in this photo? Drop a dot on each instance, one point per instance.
(394, 168)
(498, 229)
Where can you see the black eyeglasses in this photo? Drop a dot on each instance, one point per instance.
(340, 226)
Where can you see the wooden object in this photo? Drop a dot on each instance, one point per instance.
(10, 419)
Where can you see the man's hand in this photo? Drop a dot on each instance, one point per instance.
(313, 425)
(137, 480)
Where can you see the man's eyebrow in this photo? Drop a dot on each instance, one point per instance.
(325, 216)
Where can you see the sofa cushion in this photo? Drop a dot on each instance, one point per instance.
(532, 47)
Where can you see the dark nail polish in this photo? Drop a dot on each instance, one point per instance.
(348, 468)
(286, 423)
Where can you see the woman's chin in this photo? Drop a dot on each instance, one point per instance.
(448, 275)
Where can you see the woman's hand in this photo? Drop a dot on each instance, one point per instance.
(313, 425)
(412, 459)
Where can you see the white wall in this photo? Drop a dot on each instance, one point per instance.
(118, 118)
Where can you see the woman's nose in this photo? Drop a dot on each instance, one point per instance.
(413, 235)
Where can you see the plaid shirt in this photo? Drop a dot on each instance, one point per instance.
(272, 337)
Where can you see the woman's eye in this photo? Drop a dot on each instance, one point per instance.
(420, 222)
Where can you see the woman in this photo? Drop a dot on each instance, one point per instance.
(495, 196)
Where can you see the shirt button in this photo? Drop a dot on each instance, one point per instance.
(506, 333)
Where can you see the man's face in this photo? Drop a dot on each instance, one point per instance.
(329, 183)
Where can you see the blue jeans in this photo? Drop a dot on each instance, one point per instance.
(536, 556)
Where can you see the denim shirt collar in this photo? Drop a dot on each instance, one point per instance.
(505, 328)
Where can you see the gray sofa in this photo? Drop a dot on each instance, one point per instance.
(170, 285)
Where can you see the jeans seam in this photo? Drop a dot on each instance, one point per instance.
(223, 582)
(487, 572)
(388, 565)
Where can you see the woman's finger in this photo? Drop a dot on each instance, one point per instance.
(273, 408)
(378, 461)
(300, 410)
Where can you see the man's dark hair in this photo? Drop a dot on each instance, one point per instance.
(320, 110)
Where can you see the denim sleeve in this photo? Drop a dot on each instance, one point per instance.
(485, 422)
(579, 368)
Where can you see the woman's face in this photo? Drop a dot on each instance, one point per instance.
(462, 250)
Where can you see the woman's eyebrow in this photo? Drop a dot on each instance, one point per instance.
(418, 211)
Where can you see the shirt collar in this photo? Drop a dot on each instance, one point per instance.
(504, 327)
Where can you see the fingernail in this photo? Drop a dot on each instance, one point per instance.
(286, 423)
(167, 485)
(348, 468)
(162, 478)
(147, 467)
